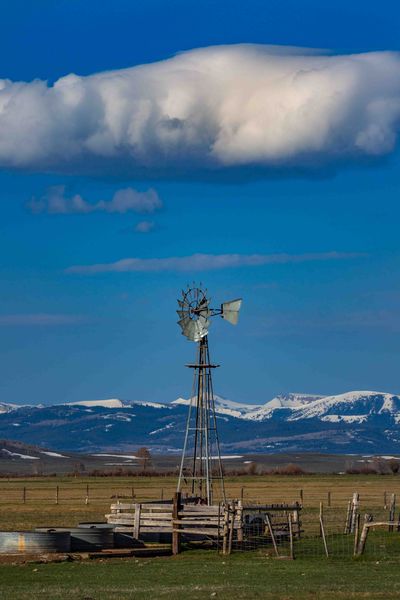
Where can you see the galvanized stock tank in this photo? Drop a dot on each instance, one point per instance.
(121, 539)
(91, 539)
(34, 542)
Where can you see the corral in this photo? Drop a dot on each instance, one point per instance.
(200, 573)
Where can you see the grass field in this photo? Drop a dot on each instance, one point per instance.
(199, 573)
(40, 506)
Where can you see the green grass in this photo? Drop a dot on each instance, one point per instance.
(198, 575)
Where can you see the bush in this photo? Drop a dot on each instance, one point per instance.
(394, 466)
(290, 469)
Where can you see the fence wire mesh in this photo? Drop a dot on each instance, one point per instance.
(318, 532)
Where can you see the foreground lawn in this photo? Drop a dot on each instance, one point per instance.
(199, 575)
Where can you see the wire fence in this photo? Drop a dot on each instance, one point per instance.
(323, 532)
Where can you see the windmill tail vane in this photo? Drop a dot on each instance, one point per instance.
(201, 464)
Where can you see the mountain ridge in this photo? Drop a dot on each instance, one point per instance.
(356, 421)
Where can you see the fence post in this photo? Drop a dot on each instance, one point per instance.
(24, 495)
(57, 493)
(364, 534)
(162, 493)
(271, 532)
(392, 510)
(291, 536)
(321, 512)
(136, 527)
(240, 521)
(322, 528)
(225, 533)
(348, 516)
(241, 494)
(384, 501)
(133, 492)
(232, 527)
(329, 498)
(301, 497)
(356, 534)
(176, 538)
(354, 510)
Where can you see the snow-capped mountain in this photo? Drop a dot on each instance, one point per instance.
(284, 401)
(110, 403)
(352, 422)
(353, 407)
(6, 407)
(225, 407)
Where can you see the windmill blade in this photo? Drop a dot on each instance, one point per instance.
(183, 314)
(204, 322)
(183, 322)
(230, 311)
(189, 329)
(201, 329)
(205, 313)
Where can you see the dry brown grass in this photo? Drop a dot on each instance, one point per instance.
(40, 506)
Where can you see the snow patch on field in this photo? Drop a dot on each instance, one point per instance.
(116, 455)
(18, 455)
(54, 454)
(162, 429)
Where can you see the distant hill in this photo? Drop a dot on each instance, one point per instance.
(354, 422)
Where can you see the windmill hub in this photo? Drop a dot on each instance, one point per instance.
(201, 463)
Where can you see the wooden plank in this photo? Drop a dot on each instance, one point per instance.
(210, 532)
(202, 508)
(192, 513)
(272, 507)
(150, 506)
(151, 515)
(154, 522)
(121, 522)
(156, 529)
(199, 521)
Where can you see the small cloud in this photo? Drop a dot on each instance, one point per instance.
(207, 262)
(144, 226)
(40, 319)
(56, 202)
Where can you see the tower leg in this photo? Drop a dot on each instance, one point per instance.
(201, 463)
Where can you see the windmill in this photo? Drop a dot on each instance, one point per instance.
(201, 463)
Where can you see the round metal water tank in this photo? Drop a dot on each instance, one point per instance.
(34, 542)
(121, 539)
(91, 539)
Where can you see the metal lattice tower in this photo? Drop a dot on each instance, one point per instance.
(201, 464)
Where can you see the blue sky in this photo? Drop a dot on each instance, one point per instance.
(320, 326)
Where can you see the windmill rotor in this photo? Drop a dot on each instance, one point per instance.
(194, 312)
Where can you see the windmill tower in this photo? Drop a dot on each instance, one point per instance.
(201, 464)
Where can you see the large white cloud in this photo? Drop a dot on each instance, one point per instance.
(208, 108)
